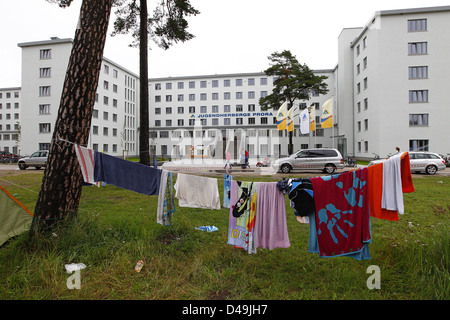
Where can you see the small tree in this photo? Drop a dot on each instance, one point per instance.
(292, 81)
(166, 26)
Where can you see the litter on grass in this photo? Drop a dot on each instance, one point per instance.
(207, 228)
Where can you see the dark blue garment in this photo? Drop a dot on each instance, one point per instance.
(126, 174)
(301, 196)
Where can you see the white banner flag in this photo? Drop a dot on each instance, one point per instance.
(304, 121)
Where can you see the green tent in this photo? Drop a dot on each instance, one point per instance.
(15, 218)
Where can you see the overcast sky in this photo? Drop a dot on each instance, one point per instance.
(231, 36)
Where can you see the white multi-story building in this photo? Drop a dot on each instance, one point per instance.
(211, 113)
(393, 77)
(114, 120)
(10, 119)
(389, 87)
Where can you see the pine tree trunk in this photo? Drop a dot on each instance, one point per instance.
(62, 182)
(144, 145)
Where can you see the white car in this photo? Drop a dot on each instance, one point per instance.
(422, 161)
(38, 159)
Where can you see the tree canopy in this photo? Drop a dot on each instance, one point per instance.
(166, 26)
(292, 81)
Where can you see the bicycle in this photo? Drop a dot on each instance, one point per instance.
(350, 161)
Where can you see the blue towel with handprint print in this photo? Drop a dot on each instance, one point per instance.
(342, 217)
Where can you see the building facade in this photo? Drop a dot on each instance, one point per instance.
(389, 89)
(393, 77)
(211, 114)
(114, 120)
(10, 119)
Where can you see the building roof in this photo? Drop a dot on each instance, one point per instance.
(413, 10)
(53, 40)
(224, 75)
(399, 12)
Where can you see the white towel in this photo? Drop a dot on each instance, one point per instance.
(197, 192)
(392, 195)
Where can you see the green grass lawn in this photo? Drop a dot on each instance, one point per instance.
(115, 228)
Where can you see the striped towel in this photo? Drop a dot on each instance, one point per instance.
(86, 159)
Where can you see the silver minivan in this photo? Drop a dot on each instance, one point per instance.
(38, 159)
(324, 159)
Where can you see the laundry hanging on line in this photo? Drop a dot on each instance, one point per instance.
(242, 215)
(373, 193)
(133, 176)
(271, 222)
(257, 217)
(344, 212)
(166, 203)
(377, 182)
(342, 216)
(86, 159)
(226, 190)
(197, 192)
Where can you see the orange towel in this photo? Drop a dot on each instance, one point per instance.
(375, 181)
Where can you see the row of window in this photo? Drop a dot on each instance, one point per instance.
(204, 109)
(214, 96)
(226, 121)
(106, 86)
(214, 83)
(8, 127)
(414, 145)
(105, 147)
(95, 131)
(9, 137)
(129, 134)
(414, 48)
(415, 120)
(46, 73)
(261, 150)
(214, 121)
(45, 108)
(106, 71)
(105, 115)
(8, 95)
(8, 116)
(8, 105)
(415, 96)
(212, 133)
(415, 72)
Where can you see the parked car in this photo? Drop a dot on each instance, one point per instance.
(8, 157)
(428, 162)
(446, 159)
(422, 161)
(38, 159)
(325, 159)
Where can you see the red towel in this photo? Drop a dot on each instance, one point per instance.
(342, 214)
